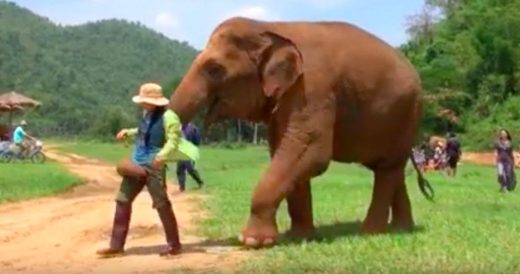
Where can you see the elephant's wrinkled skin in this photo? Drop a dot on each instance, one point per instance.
(327, 91)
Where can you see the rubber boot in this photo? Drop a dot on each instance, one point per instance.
(182, 188)
(119, 231)
(171, 231)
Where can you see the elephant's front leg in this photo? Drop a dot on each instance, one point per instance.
(299, 203)
(297, 157)
(299, 200)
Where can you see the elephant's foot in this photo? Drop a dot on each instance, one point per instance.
(402, 222)
(259, 233)
(371, 227)
(373, 230)
(303, 232)
(405, 226)
(376, 221)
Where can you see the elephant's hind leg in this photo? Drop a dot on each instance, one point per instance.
(386, 184)
(401, 209)
(299, 203)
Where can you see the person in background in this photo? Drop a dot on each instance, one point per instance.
(191, 133)
(453, 152)
(420, 160)
(19, 136)
(429, 153)
(157, 140)
(505, 161)
(439, 156)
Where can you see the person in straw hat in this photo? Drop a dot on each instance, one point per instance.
(158, 140)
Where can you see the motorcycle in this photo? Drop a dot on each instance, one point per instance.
(33, 153)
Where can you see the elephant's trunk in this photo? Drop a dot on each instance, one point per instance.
(189, 97)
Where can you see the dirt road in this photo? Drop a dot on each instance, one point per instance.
(485, 158)
(60, 234)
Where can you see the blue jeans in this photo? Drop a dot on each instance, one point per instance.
(187, 166)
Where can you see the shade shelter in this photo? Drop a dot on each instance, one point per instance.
(11, 102)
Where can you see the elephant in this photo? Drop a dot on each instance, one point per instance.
(327, 91)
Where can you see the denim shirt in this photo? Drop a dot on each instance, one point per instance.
(176, 147)
(149, 141)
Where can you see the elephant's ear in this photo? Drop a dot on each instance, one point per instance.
(280, 64)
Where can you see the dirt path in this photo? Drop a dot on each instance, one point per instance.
(485, 158)
(60, 234)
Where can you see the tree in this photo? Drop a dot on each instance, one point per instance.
(470, 63)
(448, 7)
(421, 25)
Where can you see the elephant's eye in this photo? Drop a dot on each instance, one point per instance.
(215, 71)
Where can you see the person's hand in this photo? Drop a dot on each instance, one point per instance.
(121, 135)
(157, 163)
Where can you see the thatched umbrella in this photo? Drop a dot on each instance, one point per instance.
(7, 108)
(12, 101)
(15, 99)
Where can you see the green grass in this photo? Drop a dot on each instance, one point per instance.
(24, 181)
(470, 228)
(109, 152)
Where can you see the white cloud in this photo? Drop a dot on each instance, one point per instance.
(253, 12)
(166, 20)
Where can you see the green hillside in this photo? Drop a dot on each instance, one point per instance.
(84, 75)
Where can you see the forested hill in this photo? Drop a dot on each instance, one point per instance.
(468, 56)
(84, 75)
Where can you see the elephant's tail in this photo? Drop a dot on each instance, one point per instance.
(424, 185)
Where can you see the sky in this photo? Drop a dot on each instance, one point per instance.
(194, 20)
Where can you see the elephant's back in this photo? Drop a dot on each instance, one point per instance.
(376, 89)
(339, 55)
(356, 65)
(327, 40)
(325, 31)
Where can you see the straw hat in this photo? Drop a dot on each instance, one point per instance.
(151, 93)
